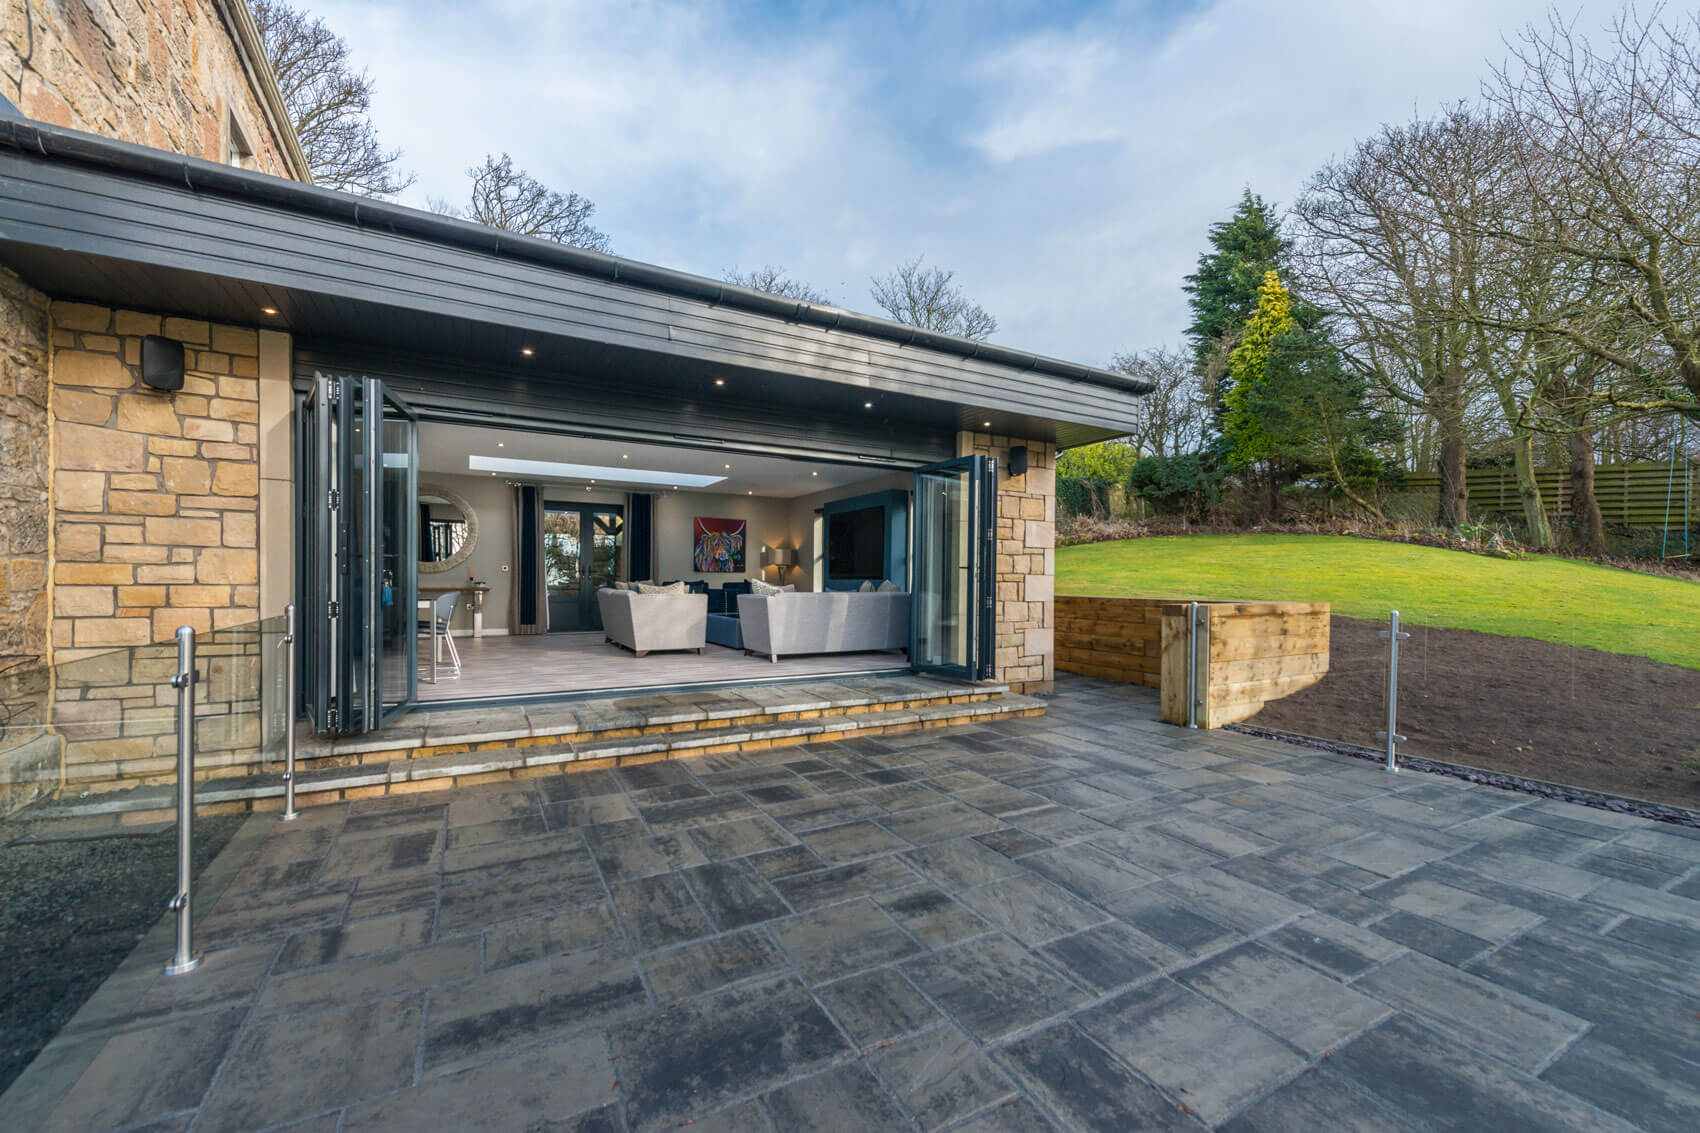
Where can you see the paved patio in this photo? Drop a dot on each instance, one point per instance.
(1084, 921)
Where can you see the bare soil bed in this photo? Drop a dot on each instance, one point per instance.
(1605, 721)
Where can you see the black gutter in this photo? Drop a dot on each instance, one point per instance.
(199, 175)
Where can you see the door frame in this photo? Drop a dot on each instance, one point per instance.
(340, 511)
(980, 632)
(588, 610)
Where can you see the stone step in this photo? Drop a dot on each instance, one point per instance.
(427, 733)
(154, 803)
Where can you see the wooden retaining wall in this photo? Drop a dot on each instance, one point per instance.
(1118, 639)
(1249, 653)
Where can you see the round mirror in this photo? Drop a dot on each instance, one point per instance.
(448, 529)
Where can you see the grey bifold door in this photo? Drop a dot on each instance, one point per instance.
(357, 571)
(953, 568)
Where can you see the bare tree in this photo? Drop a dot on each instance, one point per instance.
(1611, 142)
(930, 299)
(1173, 416)
(328, 102)
(1387, 245)
(512, 199)
(772, 279)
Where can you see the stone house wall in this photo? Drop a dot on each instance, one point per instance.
(25, 472)
(1025, 641)
(155, 495)
(170, 74)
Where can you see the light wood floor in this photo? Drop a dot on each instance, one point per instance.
(584, 662)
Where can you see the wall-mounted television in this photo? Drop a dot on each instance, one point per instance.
(855, 543)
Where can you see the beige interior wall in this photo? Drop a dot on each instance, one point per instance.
(802, 520)
(491, 560)
(769, 524)
(773, 522)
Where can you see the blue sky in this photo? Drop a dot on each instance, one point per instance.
(1064, 159)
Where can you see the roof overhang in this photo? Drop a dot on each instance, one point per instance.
(84, 217)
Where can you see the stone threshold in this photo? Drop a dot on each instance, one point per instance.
(425, 769)
(424, 733)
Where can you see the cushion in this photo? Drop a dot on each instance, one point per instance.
(866, 587)
(669, 588)
(767, 590)
(887, 586)
(624, 586)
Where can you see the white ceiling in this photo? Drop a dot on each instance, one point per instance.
(445, 449)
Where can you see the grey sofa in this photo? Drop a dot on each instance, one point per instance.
(642, 622)
(824, 622)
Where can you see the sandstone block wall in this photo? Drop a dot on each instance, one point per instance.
(155, 496)
(25, 472)
(1025, 640)
(170, 74)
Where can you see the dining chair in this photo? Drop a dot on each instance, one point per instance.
(443, 609)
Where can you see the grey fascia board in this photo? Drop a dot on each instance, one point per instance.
(205, 176)
(79, 209)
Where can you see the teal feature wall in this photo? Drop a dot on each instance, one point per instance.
(896, 505)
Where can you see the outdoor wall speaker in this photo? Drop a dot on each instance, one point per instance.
(1018, 460)
(162, 363)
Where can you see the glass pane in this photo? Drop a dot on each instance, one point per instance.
(87, 851)
(357, 648)
(561, 549)
(395, 613)
(609, 532)
(944, 593)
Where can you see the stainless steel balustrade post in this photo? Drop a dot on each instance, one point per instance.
(185, 959)
(289, 811)
(1192, 665)
(1393, 636)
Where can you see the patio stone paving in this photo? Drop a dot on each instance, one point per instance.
(1088, 920)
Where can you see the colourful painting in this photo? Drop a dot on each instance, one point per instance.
(719, 546)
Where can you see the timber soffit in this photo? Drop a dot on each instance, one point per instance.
(723, 303)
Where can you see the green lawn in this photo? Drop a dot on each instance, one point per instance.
(1550, 599)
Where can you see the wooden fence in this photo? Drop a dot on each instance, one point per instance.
(1249, 653)
(1632, 494)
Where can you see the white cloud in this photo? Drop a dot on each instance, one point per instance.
(1067, 173)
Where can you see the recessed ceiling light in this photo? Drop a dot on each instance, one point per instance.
(728, 466)
(986, 424)
(501, 444)
(867, 405)
(625, 456)
(527, 351)
(814, 474)
(268, 310)
(719, 381)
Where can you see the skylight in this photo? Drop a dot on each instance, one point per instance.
(557, 471)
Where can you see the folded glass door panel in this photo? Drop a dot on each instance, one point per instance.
(358, 523)
(950, 611)
(393, 479)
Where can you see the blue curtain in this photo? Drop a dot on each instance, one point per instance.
(527, 609)
(640, 535)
